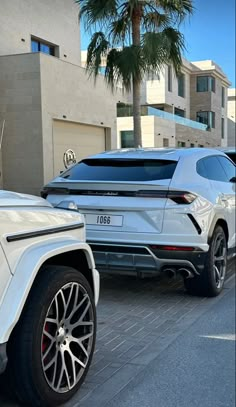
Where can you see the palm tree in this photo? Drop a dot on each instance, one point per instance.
(136, 37)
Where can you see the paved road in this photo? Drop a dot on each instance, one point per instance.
(140, 324)
(197, 369)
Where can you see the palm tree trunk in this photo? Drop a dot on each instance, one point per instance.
(136, 21)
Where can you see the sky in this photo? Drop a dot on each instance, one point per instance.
(209, 34)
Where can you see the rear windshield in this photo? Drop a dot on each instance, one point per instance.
(121, 170)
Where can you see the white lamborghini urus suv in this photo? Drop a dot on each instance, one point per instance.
(156, 210)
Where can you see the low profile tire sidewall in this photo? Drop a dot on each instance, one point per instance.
(46, 394)
(210, 261)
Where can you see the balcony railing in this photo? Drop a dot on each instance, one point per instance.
(151, 111)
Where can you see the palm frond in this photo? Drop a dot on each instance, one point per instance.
(154, 21)
(123, 66)
(97, 12)
(97, 49)
(177, 9)
(174, 41)
(162, 48)
(120, 28)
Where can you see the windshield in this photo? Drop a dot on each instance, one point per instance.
(121, 170)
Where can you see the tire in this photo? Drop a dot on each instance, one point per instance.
(52, 345)
(211, 281)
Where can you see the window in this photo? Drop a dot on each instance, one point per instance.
(231, 155)
(40, 46)
(222, 127)
(117, 169)
(192, 145)
(169, 78)
(181, 85)
(211, 168)
(200, 145)
(102, 70)
(127, 139)
(205, 84)
(181, 144)
(202, 83)
(223, 96)
(207, 118)
(165, 142)
(212, 84)
(229, 168)
(179, 112)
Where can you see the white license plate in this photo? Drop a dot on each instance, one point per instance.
(104, 220)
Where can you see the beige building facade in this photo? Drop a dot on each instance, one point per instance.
(196, 101)
(48, 105)
(208, 99)
(231, 117)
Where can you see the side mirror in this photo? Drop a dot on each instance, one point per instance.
(233, 179)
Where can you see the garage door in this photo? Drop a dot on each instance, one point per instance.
(82, 139)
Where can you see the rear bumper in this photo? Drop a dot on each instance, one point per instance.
(140, 258)
(3, 357)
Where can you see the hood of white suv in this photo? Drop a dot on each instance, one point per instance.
(8, 198)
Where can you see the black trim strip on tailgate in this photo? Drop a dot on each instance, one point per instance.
(140, 193)
(38, 233)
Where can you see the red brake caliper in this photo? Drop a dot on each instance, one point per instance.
(45, 338)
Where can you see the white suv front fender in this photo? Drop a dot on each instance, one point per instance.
(25, 273)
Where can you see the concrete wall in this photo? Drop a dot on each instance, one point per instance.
(220, 112)
(53, 21)
(164, 129)
(155, 130)
(20, 107)
(155, 90)
(189, 136)
(231, 139)
(1, 179)
(68, 94)
(207, 101)
(157, 93)
(147, 124)
(36, 89)
(172, 98)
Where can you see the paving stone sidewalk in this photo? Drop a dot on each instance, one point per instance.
(137, 320)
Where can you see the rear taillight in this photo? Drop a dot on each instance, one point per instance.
(179, 197)
(53, 191)
(182, 197)
(44, 193)
(173, 248)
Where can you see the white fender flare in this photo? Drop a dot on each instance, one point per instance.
(25, 273)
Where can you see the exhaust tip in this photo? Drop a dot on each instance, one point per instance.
(171, 273)
(185, 273)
